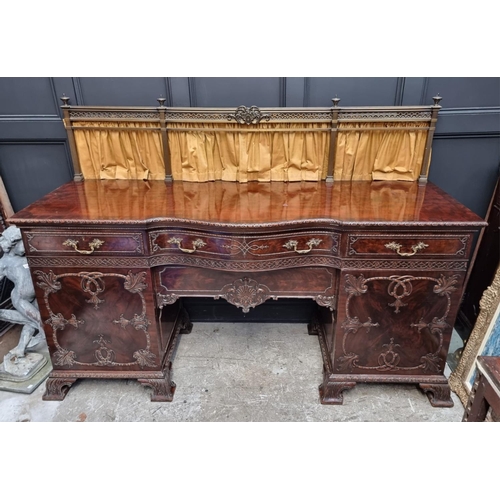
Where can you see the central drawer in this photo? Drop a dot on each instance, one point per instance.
(246, 290)
(243, 247)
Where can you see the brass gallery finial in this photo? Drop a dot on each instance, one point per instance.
(436, 100)
(248, 116)
(65, 100)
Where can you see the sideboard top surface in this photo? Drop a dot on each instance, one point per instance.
(252, 204)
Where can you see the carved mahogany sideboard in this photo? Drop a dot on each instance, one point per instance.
(385, 261)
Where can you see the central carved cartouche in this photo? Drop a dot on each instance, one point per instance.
(245, 293)
(248, 116)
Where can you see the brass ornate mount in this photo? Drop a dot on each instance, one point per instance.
(95, 243)
(397, 248)
(248, 116)
(198, 243)
(292, 245)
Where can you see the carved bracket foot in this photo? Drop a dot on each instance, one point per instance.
(163, 388)
(331, 393)
(57, 388)
(439, 394)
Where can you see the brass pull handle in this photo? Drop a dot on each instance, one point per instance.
(198, 243)
(397, 247)
(292, 245)
(95, 243)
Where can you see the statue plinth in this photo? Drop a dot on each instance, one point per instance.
(25, 374)
(22, 369)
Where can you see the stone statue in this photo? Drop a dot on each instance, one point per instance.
(14, 266)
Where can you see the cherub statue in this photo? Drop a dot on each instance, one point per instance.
(14, 266)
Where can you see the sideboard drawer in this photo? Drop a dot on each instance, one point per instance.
(407, 246)
(83, 243)
(241, 247)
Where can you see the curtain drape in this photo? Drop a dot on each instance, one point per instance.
(387, 154)
(260, 156)
(290, 155)
(117, 154)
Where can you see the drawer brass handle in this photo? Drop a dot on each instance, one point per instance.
(198, 243)
(95, 243)
(292, 245)
(397, 247)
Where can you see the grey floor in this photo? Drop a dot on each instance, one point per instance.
(233, 372)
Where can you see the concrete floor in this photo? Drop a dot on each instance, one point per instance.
(233, 372)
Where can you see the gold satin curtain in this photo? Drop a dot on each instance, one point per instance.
(117, 154)
(249, 156)
(387, 154)
(290, 155)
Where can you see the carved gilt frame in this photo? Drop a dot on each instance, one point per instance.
(483, 328)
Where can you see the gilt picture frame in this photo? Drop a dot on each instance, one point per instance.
(483, 341)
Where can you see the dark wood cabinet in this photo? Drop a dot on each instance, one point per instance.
(387, 283)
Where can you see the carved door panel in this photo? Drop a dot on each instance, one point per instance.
(395, 324)
(98, 321)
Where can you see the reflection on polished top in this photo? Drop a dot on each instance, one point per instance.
(254, 203)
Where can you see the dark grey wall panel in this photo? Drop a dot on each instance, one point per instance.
(28, 96)
(179, 88)
(29, 171)
(233, 92)
(414, 91)
(294, 92)
(40, 129)
(33, 141)
(468, 121)
(122, 91)
(464, 92)
(353, 91)
(466, 168)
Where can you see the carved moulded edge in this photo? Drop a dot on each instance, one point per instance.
(241, 265)
(222, 115)
(255, 225)
(375, 114)
(95, 262)
(115, 114)
(65, 373)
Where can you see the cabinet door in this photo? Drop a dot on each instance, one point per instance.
(98, 320)
(395, 324)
